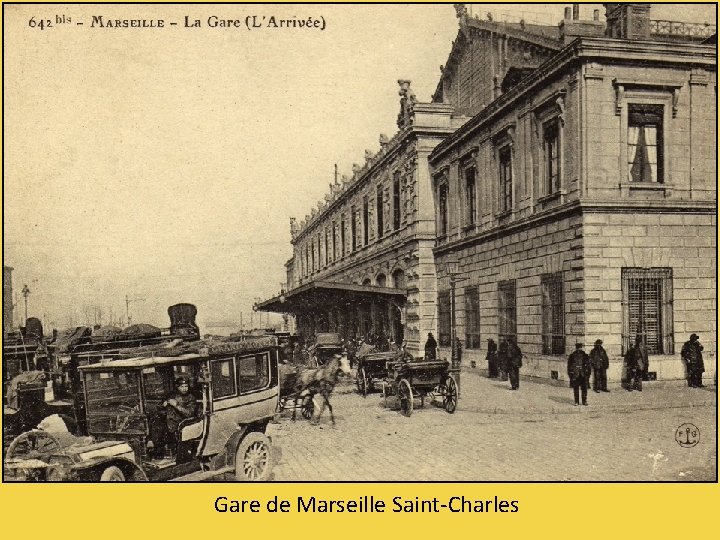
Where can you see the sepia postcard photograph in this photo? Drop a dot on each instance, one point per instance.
(360, 243)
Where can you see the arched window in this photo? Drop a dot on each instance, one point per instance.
(398, 277)
(381, 280)
(366, 281)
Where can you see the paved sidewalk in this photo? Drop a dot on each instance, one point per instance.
(478, 393)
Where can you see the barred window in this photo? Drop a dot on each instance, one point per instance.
(444, 330)
(507, 311)
(647, 309)
(472, 318)
(553, 314)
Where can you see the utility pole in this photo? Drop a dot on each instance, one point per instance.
(25, 292)
(127, 307)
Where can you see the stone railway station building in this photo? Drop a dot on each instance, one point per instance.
(560, 187)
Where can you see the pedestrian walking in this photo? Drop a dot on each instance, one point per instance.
(492, 359)
(430, 348)
(600, 364)
(514, 363)
(502, 361)
(691, 354)
(635, 361)
(578, 369)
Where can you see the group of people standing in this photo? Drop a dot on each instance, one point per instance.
(505, 362)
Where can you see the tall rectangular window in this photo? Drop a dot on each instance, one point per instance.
(366, 221)
(647, 295)
(342, 236)
(396, 201)
(645, 143)
(334, 241)
(312, 255)
(551, 143)
(443, 210)
(470, 196)
(327, 247)
(308, 268)
(553, 313)
(507, 311)
(472, 318)
(444, 322)
(379, 213)
(319, 252)
(353, 228)
(506, 186)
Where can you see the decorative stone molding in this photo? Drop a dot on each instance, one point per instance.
(622, 84)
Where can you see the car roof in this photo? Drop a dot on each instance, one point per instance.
(142, 362)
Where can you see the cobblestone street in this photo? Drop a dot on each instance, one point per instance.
(495, 434)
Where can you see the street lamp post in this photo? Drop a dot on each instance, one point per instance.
(25, 293)
(451, 267)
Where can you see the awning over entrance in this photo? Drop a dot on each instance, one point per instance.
(319, 295)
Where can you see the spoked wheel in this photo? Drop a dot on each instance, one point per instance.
(307, 409)
(451, 395)
(112, 474)
(405, 397)
(253, 458)
(32, 444)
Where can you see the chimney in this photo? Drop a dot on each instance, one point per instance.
(571, 27)
(627, 21)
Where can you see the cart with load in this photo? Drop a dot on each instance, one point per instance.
(418, 379)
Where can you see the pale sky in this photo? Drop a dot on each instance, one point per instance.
(164, 164)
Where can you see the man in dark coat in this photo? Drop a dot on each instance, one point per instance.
(514, 363)
(492, 359)
(600, 364)
(430, 348)
(691, 354)
(502, 360)
(636, 360)
(578, 370)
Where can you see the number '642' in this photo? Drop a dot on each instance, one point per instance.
(42, 24)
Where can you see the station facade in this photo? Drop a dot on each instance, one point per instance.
(560, 188)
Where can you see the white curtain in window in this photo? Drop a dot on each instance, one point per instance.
(642, 153)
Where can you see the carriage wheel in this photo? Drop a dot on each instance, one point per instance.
(32, 444)
(451, 395)
(405, 397)
(253, 458)
(307, 409)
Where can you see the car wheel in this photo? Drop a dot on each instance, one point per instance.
(112, 474)
(253, 458)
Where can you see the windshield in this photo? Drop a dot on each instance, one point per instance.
(113, 402)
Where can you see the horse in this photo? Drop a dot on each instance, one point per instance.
(306, 383)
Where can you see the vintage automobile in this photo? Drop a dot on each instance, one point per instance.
(236, 389)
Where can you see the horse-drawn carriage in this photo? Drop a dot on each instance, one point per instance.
(327, 344)
(372, 370)
(408, 380)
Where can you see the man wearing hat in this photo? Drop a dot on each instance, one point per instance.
(492, 359)
(600, 364)
(578, 370)
(636, 361)
(691, 354)
(180, 406)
